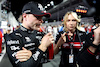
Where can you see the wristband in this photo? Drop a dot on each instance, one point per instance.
(95, 46)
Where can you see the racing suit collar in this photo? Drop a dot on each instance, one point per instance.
(25, 29)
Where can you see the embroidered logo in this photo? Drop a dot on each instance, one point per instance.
(27, 39)
(35, 56)
(12, 42)
(14, 47)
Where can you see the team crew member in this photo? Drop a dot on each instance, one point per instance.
(26, 47)
(90, 55)
(70, 40)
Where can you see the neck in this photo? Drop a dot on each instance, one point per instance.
(27, 27)
(71, 31)
(24, 26)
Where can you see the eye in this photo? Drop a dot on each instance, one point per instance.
(73, 20)
(68, 20)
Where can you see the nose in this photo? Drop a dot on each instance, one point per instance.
(71, 22)
(41, 20)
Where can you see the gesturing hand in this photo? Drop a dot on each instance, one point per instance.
(62, 38)
(23, 55)
(97, 36)
(46, 41)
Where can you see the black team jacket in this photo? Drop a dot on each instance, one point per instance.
(77, 41)
(28, 39)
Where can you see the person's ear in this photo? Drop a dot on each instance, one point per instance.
(24, 16)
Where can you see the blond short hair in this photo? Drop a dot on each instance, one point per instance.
(74, 14)
(20, 19)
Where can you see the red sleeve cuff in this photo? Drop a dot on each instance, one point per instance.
(90, 52)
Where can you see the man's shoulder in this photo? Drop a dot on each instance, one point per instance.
(15, 34)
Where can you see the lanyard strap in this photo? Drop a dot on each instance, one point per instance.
(71, 47)
(71, 44)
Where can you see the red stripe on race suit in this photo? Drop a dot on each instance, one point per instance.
(75, 45)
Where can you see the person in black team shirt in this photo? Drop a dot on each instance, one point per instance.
(26, 47)
(69, 41)
(90, 54)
